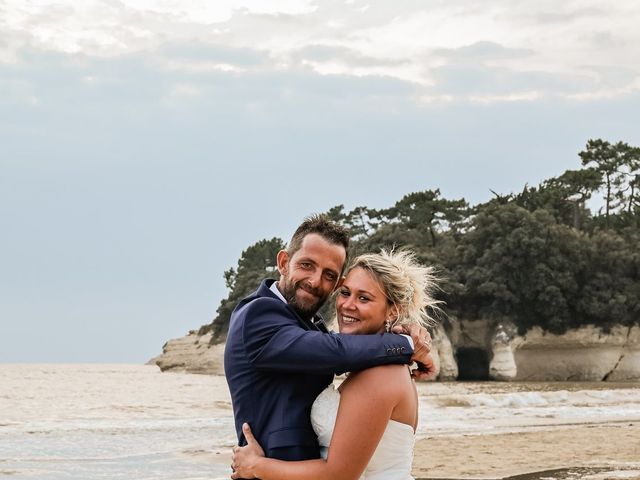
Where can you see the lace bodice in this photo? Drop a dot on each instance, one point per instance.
(394, 454)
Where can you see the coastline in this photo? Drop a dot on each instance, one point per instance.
(124, 420)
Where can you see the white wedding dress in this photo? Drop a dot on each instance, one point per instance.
(394, 454)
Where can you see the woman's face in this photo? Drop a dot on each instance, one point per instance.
(361, 304)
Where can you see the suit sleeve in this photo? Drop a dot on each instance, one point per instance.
(274, 340)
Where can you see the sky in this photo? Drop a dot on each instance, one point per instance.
(144, 144)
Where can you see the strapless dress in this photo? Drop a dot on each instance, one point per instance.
(393, 456)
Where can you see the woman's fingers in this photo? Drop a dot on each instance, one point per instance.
(248, 434)
(244, 458)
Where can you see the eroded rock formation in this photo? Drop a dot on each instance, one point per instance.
(584, 354)
(447, 366)
(503, 365)
(192, 353)
(479, 350)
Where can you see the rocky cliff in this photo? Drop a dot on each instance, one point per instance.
(192, 353)
(479, 351)
(583, 354)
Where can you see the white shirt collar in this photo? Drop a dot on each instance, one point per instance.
(274, 289)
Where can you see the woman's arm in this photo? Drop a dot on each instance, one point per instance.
(366, 404)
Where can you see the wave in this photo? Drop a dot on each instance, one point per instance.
(117, 426)
(541, 399)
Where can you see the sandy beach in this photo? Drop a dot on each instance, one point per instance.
(602, 451)
(88, 422)
(508, 454)
(557, 426)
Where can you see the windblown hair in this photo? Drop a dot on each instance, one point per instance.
(323, 226)
(407, 284)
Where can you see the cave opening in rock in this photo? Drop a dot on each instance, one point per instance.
(473, 364)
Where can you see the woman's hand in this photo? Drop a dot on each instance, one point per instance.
(244, 458)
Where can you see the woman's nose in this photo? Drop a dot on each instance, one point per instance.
(349, 303)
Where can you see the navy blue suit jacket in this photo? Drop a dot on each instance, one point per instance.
(276, 364)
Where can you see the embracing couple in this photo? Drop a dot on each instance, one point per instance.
(280, 360)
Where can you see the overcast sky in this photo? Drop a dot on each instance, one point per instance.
(145, 143)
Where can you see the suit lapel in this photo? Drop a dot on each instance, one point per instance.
(319, 323)
(307, 324)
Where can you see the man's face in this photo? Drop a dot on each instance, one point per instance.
(308, 277)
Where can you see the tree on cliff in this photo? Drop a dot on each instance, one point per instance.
(564, 197)
(611, 291)
(427, 214)
(256, 263)
(539, 257)
(619, 167)
(526, 268)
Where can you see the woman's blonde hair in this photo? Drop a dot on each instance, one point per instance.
(408, 285)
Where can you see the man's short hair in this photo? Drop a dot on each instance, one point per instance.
(323, 226)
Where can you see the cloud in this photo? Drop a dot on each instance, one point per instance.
(557, 14)
(128, 187)
(561, 50)
(343, 55)
(471, 79)
(481, 53)
(213, 53)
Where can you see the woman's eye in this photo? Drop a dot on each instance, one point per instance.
(344, 293)
(364, 299)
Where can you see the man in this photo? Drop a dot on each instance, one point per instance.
(279, 354)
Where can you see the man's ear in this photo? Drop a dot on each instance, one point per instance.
(283, 262)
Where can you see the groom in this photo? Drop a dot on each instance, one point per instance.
(279, 354)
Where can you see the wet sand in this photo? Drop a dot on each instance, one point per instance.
(614, 446)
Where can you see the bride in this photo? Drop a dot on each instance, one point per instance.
(366, 428)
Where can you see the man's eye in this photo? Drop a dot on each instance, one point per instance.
(305, 265)
(331, 277)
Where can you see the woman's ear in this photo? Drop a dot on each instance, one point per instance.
(393, 313)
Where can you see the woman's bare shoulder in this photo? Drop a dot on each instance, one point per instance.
(389, 376)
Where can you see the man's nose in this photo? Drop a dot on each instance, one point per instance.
(314, 278)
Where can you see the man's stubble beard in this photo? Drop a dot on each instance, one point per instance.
(289, 289)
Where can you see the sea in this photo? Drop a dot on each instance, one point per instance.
(90, 422)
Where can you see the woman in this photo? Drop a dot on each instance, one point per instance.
(366, 427)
